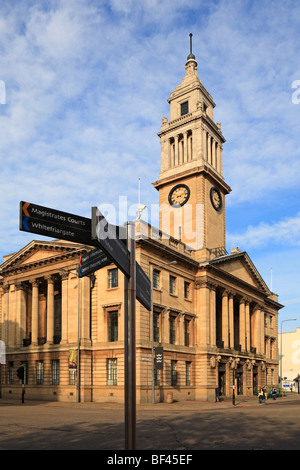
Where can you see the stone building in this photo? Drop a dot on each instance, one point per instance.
(213, 314)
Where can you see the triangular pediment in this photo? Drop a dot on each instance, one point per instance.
(240, 266)
(38, 252)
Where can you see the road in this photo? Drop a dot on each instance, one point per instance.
(176, 426)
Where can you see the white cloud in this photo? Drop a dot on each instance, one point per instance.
(87, 84)
(285, 232)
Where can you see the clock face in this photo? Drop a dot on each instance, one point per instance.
(216, 198)
(179, 195)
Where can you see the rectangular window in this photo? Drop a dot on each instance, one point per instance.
(112, 371)
(184, 108)
(186, 332)
(72, 376)
(39, 372)
(187, 286)
(156, 327)
(55, 372)
(156, 278)
(173, 373)
(113, 278)
(113, 325)
(188, 373)
(11, 373)
(172, 284)
(172, 329)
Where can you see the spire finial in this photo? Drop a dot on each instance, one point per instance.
(191, 55)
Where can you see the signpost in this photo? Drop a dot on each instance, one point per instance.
(109, 248)
(137, 286)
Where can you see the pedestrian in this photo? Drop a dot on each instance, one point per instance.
(265, 391)
(261, 396)
(217, 394)
(274, 393)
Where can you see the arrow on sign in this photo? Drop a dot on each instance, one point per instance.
(24, 223)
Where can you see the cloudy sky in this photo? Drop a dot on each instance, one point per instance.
(84, 86)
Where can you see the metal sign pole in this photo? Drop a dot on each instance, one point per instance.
(130, 344)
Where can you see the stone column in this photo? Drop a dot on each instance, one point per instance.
(248, 333)
(262, 331)
(170, 153)
(50, 309)
(20, 314)
(165, 326)
(231, 321)
(180, 329)
(213, 156)
(221, 159)
(191, 146)
(213, 325)
(35, 312)
(5, 313)
(176, 159)
(185, 148)
(180, 151)
(242, 325)
(203, 334)
(218, 157)
(225, 325)
(209, 149)
(64, 308)
(84, 285)
(204, 146)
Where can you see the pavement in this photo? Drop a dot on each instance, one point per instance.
(226, 402)
(178, 426)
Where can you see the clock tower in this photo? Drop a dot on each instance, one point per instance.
(191, 184)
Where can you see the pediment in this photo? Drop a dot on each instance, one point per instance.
(240, 266)
(38, 252)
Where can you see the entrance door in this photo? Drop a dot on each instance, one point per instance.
(221, 379)
(255, 375)
(239, 380)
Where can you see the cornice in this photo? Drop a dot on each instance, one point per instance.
(238, 286)
(197, 170)
(183, 121)
(66, 253)
(168, 252)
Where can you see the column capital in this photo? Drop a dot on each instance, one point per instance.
(6, 288)
(19, 286)
(49, 279)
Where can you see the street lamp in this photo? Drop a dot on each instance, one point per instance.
(290, 319)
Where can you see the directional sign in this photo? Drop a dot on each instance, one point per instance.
(143, 288)
(106, 237)
(159, 358)
(92, 261)
(55, 224)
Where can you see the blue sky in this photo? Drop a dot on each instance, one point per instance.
(86, 87)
